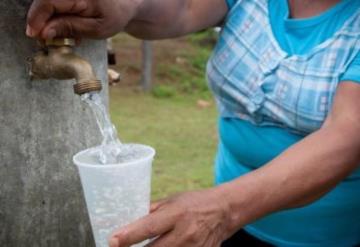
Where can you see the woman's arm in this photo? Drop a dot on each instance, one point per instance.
(307, 170)
(299, 176)
(166, 19)
(148, 19)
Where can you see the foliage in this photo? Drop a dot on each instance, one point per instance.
(206, 37)
(187, 74)
(179, 64)
(163, 91)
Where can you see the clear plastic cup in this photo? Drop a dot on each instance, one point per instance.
(115, 194)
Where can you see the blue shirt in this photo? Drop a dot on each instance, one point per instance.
(244, 147)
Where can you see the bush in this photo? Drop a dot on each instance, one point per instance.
(186, 72)
(163, 91)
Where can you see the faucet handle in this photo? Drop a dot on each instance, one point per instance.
(60, 42)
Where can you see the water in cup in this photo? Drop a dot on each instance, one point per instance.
(116, 178)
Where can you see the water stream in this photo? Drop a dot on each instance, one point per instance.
(111, 147)
(120, 194)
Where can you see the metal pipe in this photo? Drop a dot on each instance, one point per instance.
(58, 61)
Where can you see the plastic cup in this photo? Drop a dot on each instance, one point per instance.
(115, 194)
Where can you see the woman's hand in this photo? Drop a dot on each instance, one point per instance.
(48, 19)
(193, 219)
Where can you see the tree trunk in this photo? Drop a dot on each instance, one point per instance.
(42, 125)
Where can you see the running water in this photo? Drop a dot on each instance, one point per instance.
(118, 191)
(111, 147)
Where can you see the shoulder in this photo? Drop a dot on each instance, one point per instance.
(352, 72)
(232, 3)
(353, 24)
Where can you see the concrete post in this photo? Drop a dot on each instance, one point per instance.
(42, 124)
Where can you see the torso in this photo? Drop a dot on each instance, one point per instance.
(265, 89)
(254, 79)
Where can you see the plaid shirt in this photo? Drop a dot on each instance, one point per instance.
(255, 80)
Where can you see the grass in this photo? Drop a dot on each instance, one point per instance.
(183, 135)
(169, 118)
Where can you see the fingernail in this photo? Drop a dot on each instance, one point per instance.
(29, 31)
(114, 242)
(51, 34)
(82, 5)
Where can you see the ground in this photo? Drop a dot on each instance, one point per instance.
(177, 118)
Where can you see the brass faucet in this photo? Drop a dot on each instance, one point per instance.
(58, 61)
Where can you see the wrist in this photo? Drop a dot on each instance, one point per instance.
(230, 207)
(240, 200)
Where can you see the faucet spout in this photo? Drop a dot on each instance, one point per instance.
(60, 62)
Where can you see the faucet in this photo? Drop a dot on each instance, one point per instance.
(58, 61)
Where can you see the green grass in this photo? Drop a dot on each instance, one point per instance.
(183, 135)
(169, 119)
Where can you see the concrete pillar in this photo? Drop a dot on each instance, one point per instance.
(42, 124)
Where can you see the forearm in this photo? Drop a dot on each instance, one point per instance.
(299, 176)
(157, 19)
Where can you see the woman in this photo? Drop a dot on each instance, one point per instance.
(286, 78)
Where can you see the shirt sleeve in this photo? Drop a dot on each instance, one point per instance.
(353, 71)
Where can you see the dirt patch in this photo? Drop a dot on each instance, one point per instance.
(166, 52)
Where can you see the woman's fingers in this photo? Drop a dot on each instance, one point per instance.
(113, 242)
(151, 226)
(156, 205)
(72, 26)
(164, 241)
(41, 11)
(98, 19)
(189, 219)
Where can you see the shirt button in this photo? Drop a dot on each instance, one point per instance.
(258, 98)
(251, 107)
